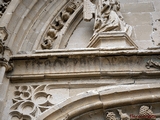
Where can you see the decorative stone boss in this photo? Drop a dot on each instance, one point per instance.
(109, 24)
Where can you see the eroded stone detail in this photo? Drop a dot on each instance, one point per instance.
(3, 6)
(3, 37)
(153, 64)
(30, 101)
(123, 116)
(53, 32)
(145, 112)
(155, 34)
(111, 116)
(5, 51)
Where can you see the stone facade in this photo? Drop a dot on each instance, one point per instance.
(79, 60)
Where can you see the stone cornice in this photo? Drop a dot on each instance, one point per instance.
(84, 52)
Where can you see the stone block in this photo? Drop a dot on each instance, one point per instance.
(147, 0)
(127, 1)
(1, 106)
(27, 21)
(156, 5)
(59, 95)
(15, 19)
(155, 16)
(73, 92)
(144, 44)
(27, 2)
(143, 32)
(138, 18)
(137, 7)
(20, 10)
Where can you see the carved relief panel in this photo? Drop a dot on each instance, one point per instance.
(30, 101)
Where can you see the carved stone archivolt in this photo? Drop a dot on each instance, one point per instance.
(30, 101)
(55, 29)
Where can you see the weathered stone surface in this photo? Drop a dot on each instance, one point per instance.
(138, 7)
(135, 19)
(143, 32)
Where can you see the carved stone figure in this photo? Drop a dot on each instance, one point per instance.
(47, 43)
(111, 116)
(123, 116)
(107, 16)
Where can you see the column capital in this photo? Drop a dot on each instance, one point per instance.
(8, 65)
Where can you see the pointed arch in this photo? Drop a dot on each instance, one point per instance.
(103, 99)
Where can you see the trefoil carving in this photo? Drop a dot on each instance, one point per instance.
(30, 101)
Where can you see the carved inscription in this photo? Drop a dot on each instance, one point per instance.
(75, 65)
(58, 65)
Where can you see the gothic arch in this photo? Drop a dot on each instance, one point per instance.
(103, 99)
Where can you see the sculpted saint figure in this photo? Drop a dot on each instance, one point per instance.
(107, 16)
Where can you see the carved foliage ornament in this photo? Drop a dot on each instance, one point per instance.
(54, 30)
(145, 112)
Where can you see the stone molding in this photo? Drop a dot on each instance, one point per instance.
(115, 40)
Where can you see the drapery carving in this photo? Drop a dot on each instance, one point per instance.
(107, 16)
